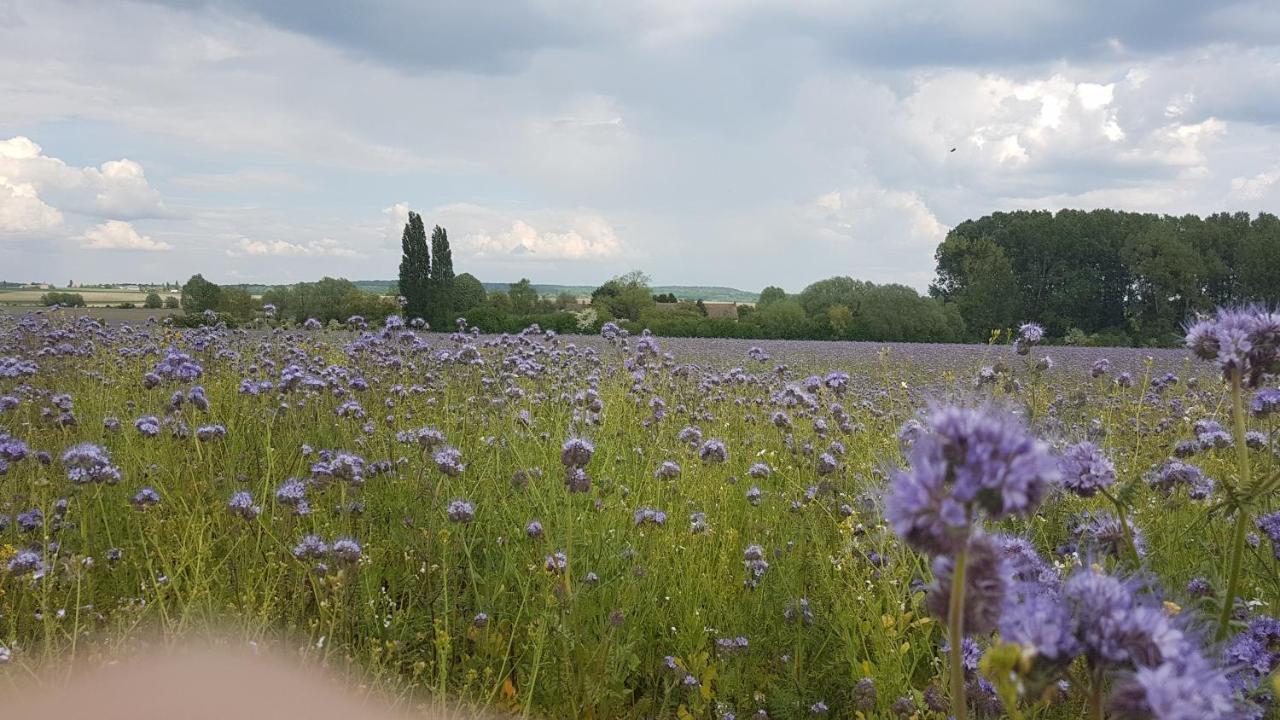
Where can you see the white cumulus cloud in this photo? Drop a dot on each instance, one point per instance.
(324, 247)
(119, 235)
(115, 189)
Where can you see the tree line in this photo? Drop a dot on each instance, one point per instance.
(1105, 276)
(1090, 277)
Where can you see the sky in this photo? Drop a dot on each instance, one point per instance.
(706, 142)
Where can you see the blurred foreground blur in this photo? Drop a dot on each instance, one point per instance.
(201, 684)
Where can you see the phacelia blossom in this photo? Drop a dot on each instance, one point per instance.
(713, 450)
(461, 511)
(1086, 470)
(971, 459)
(449, 461)
(346, 550)
(1265, 403)
(1029, 335)
(241, 505)
(89, 463)
(576, 452)
(311, 547)
(1244, 340)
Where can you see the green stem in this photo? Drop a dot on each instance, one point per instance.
(1242, 513)
(1095, 697)
(955, 630)
(1124, 528)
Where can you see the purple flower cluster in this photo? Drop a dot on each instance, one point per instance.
(88, 463)
(1244, 340)
(461, 511)
(1086, 469)
(970, 459)
(176, 366)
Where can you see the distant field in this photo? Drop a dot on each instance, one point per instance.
(115, 316)
(91, 296)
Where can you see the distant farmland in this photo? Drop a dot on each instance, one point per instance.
(93, 297)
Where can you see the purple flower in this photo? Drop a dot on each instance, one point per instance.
(148, 425)
(12, 449)
(970, 459)
(533, 529)
(556, 563)
(293, 494)
(346, 550)
(576, 452)
(26, 562)
(668, 470)
(753, 560)
(145, 498)
(1187, 690)
(89, 463)
(449, 461)
(826, 464)
(1086, 470)
(1270, 526)
(1239, 339)
(175, 366)
(1265, 402)
(1029, 335)
(649, 516)
(311, 547)
(1174, 473)
(713, 450)
(690, 434)
(461, 511)
(576, 480)
(208, 433)
(1101, 367)
(241, 505)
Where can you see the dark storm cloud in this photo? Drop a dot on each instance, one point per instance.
(414, 36)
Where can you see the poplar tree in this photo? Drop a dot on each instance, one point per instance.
(415, 268)
(440, 302)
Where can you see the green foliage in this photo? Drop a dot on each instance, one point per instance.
(524, 299)
(415, 268)
(199, 295)
(771, 295)
(624, 297)
(328, 299)
(1123, 275)
(153, 301)
(440, 300)
(468, 292)
(64, 299)
(171, 303)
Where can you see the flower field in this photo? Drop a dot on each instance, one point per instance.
(618, 526)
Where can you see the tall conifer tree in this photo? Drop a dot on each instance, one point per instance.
(415, 268)
(441, 302)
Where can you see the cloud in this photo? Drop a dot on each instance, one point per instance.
(1256, 187)
(116, 189)
(119, 235)
(568, 140)
(323, 247)
(394, 220)
(22, 211)
(488, 233)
